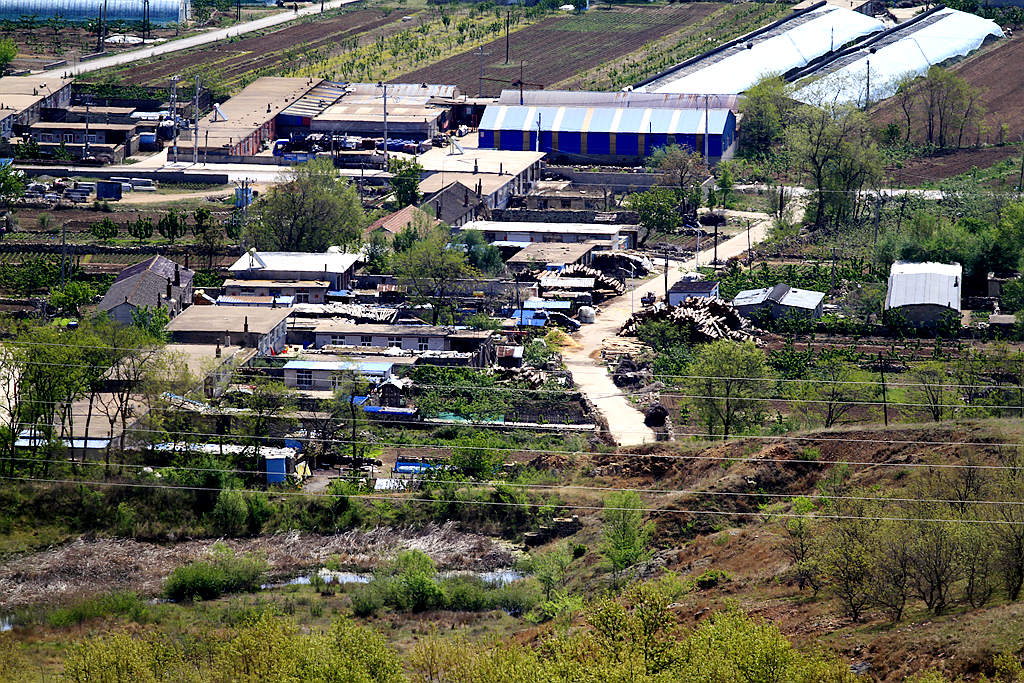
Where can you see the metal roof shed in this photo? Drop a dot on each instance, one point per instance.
(924, 292)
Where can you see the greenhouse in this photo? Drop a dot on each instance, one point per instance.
(792, 44)
(936, 38)
(161, 12)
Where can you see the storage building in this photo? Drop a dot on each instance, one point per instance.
(778, 302)
(161, 12)
(925, 293)
(609, 134)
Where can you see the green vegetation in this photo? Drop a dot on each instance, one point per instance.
(223, 572)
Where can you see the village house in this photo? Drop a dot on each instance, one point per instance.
(156, 282)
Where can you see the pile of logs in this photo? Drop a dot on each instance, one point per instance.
(705, 320)
(621, 265)
(602, 282)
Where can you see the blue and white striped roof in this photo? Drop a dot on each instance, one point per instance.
(604, 119)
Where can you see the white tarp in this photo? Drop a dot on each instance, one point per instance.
(954, 35)
(830, 29)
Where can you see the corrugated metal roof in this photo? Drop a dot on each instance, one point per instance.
(782, 294)
(633, 99)
(314, 102)
(604, 119)
(913, 284)
(367, 367)
(751, 297)
(547, 304)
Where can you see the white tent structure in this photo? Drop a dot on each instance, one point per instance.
(939, 38)
(778, 51)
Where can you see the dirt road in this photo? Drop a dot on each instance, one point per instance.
(625, 422)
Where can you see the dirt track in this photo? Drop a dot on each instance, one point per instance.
(85, 567)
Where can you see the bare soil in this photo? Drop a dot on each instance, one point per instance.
(89, 566)
(568, 46)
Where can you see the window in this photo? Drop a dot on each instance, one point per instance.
(301, 298)
(336, 380)
(395, 342)
(566, 203)
(366, 340)
(338, 339)
(69, 137)
(422, 343)
(304, 378)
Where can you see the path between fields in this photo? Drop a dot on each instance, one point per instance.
(625, 422)
(190, 42)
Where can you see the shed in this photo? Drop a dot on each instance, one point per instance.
(623, 134)
(924, 293)
(697, 289)
(778, 302)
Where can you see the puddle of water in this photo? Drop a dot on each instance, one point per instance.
(498, 577)
(5, 623)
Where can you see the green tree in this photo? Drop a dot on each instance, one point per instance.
(433, 272)
(141, 229)
(765, 107)
(151, 321)
(12, 185)
(268, 402)
(105, 229)
(480, 253)
(726, 382)
(172, 226)
(311, 210)
(68, 298)
(8, 51)
(202, 220)
(657, 210)
(405, 180)
(549, 568)
(352, 389)
(378, 254)
(685, 170)
(624, 535)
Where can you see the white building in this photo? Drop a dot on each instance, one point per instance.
(925, 293)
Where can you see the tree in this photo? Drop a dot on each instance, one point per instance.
(930, 387)
(267, 402)
(800, 545)
(832, 143)
(68, 298)
(432, 271)
(12, 185)
(8, 51)
(847, 563)
(765, 107)
(549, 568)
(172, 226)
(657, 210)
(378, 254)
(310, 210)
(624, 535)
(683, 169)
(480, 253)
(726, 383)
(105, 229)
(405, 180)
(141, 229)
(202, 220)
(352, 390)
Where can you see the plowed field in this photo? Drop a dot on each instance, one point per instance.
(275, 52)
(560, 47)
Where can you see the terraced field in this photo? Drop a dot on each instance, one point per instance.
(560, 47)
(228, 66)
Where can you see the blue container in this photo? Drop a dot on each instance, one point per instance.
(147, 138)
(277, 468)
(106, 189)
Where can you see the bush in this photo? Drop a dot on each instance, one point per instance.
(224, 572)
(366, 600)
(111, 604)
(230, 515)
(711, 578)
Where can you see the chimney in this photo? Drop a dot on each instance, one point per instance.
(465, 197)
(245, 325)
(217, 352)
(501, 168)
(186, 260)
(177, 275)
(169, 294)
(476, 166)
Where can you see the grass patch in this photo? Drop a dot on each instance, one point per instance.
(224, 572)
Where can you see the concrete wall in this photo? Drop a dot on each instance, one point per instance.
(316, 295)
(410, 342)
(924, 315)
(614, 181)
(562, 216)
(322, 380)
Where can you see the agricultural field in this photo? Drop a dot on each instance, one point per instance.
(228, 66)
(574, 50)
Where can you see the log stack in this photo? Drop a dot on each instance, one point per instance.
(705, 320)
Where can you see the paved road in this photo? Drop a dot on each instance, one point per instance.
(625, 422)
(190, 42)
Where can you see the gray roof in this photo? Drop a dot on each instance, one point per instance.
(296, 261)
(915, 284)
(160, 265)
(782, 294)
(144, 288)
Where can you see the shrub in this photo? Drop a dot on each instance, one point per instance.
(111, 604)
(224, 572)
(231, 513)
(366, 600)
(711, 578)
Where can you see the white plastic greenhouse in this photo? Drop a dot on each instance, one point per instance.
(160, 11)
(945, 36)
(820, 32)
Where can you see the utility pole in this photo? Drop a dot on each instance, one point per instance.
(85, 154)
(480, 86)
(706, 97)
(878, 214)
(832, 283)
(748, 243)
(1020, 177)
(102, 27)
(174, 113)
(508, 18)
(714, 262)
(666, 278)
(385, 125)
(195, 127)
(63, 250)
(885, 402)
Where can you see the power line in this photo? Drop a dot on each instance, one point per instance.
(434, 501)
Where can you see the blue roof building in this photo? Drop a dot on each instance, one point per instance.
(606, 133)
